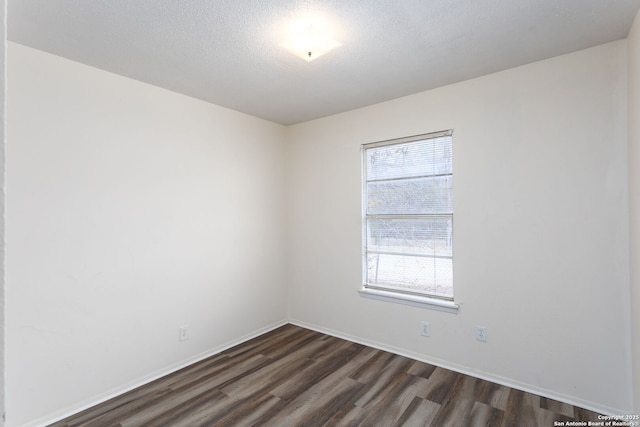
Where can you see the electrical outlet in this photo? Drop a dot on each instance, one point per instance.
(425, 329)
(183, 333)
(481, 333)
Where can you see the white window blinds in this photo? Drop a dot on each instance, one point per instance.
(408, 215)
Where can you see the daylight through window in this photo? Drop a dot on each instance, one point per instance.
(408, 215)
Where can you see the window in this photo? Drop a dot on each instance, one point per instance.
(408, 216)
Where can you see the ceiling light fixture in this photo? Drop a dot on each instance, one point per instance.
(310, 43)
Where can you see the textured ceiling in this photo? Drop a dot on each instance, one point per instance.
(229, 52)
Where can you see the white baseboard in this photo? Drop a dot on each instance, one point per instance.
(508, 382)
(96, 400)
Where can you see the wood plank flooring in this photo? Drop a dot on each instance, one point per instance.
(296, 377)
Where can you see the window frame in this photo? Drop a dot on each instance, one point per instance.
(418, 299)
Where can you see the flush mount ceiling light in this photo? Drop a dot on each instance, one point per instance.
(310, 43)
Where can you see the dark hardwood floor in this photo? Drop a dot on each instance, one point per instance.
(296, 377)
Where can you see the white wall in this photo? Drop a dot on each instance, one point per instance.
(131, 211)
(633, 75)
(540, 231)
(3, 42)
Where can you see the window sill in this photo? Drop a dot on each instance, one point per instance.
(413, 300)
